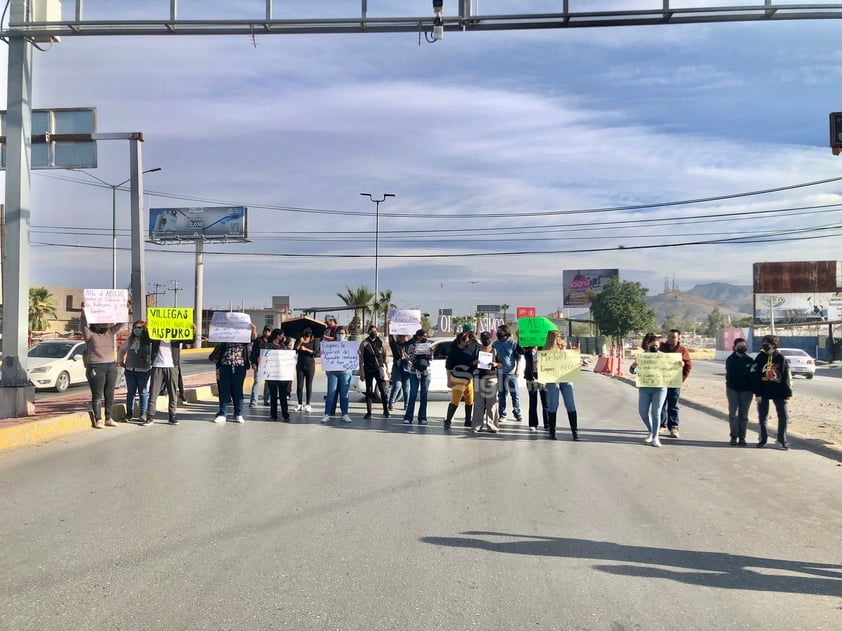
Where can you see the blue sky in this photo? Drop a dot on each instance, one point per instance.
(504, 132)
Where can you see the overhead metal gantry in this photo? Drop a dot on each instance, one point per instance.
(463, 17)
(34, 21)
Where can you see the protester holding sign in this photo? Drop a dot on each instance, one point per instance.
(164, 376)
(535, 390)
(233, 362)
(420, 354)
(650, 399)
(486, 362)
(338, 359)
(278, 388)
(459, 366)
(400, 369)
(100, 366)
(373, 369)
(305, 369)
(135, 356)
(565, 388)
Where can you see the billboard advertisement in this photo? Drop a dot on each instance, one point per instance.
(581, 285)
(797, 308)
(192, 224)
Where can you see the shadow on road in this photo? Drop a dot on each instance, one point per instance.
(710, 569)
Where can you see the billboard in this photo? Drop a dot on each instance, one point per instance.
(797, 291)
(192, 224)
(785, 308)
(581, 285)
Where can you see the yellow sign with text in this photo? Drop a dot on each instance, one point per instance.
(658, 370)
(173, 323)
(559, 366)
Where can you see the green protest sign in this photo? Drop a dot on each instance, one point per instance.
(533, 331)
(559, 366)
(658, 370)
(174, 323)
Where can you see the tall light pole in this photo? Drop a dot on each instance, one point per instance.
(114, 188)
(377, 245)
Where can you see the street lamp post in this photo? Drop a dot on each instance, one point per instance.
(377, 244)
(114, 188)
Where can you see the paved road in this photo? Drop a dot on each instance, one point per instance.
(378, 526)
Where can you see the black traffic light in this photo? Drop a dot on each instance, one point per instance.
(836, 129)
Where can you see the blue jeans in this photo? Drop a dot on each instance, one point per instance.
(504, 382)
(566, 391)
(137, 382)
(400, 382)
(338, 383)
(414, 383)
(763, 414)
(669, 412)
(231, 386)
(651, 399)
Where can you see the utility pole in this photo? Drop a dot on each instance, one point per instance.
(175, 289)
(155, 290)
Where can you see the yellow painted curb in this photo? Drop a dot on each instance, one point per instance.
(22, 434)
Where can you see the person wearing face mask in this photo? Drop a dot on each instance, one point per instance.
(669, 413)
(338, 385)
(485, 386)
(400, 369)
(420, 354)
(650, 400)
(305, 369)
(100, 367)
(509, 352)
(135, 356)
(738, 390)
(164, 378)
(771, 380)
(373, 368)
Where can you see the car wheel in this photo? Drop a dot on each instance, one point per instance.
(809, 376)
(62, 382)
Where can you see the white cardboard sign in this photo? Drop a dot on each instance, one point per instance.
(340, 356)
(104, 306)
(404, 321)
(230, 326)
(276, 365)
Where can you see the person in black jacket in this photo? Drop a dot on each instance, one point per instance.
(460, 378)
(534, 389)
(771, 380)
(373, 368)
(738, 390)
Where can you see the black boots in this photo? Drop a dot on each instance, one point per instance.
(451, 410)
(552, 416)
(469, 410)
(573, 419)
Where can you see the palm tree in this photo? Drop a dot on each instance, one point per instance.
(359, 300)
(41, 307)
(504, 308)
(383, 305)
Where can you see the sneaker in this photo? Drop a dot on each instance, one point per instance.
(252, 404)
(287, 419)
(673, 432)
(656, 442)
(649, 439)
(240, 419)
(147, 422)
(391, 407)
(518, 418)
(299, 407)
(347, 419)
(367, 416)
(424, 422)
(663, 431)
(743, 442)
(307, 408)
(325, 419)
(533, 429)
(733, 440)
(219, 419)
(386, 414)
(407, 421)
(173, 421)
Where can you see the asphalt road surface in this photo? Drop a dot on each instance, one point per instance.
(376, 525)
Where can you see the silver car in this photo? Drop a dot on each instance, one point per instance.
(800, 362)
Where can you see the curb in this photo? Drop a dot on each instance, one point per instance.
(29, 433)
(814, 445)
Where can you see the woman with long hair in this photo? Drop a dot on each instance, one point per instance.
(135, 357)
(459, 366)
(555, 341)
(305, 369)
(650, 400)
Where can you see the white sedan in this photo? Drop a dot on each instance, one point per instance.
(56, 364)
(800, 362)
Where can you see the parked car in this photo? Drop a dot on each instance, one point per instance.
(800, 362)
(56, 364)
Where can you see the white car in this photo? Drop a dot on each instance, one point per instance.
(56, 364)
(800, 362)
(438, 377)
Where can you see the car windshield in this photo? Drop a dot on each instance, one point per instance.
(52, 350)
(793, 352)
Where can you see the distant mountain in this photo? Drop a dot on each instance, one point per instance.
(697, 303)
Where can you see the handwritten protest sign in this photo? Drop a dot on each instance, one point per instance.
(559, 366)
(170, 323)
(276, 365)
(658, 370)
(229, 326)
(339, 356)
(484, 358)
(533, 331)
(103, 306)
(404, 321)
